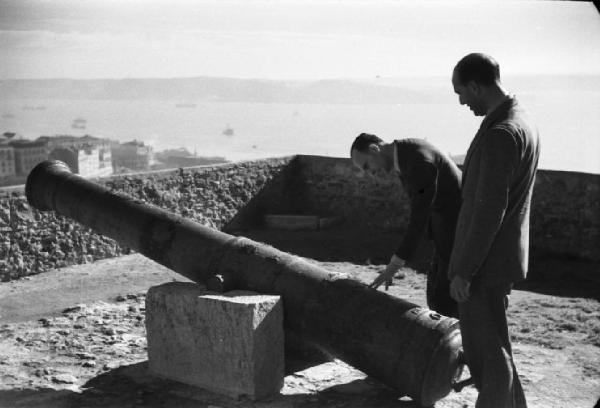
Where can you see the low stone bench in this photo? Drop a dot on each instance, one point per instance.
(300, 222)
(229, 343)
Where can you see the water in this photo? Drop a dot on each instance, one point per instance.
(569, 124)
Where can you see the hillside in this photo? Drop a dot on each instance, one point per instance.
(212, 89)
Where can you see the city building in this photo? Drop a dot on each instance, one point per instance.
(85, 162)
(27, 154)
(134, 155)
(7, 159)
(78, 153)
(11, 136)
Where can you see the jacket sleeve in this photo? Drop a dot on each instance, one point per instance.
(421, 183)
(489, 201)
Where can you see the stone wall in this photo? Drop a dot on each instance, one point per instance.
(335, 188)
(227, 197)
(565, 218)
(233, 197)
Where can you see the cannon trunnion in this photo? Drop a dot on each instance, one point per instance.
(409, 348)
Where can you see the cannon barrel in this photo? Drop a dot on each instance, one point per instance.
(412, 349)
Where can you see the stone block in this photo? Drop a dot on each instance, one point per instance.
(229, 343)
(328, 222)
(292, 222)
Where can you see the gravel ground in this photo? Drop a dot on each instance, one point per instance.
(77, 339)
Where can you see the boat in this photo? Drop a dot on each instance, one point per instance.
(228, 131)
(79, 123)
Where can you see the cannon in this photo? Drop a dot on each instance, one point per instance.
(411, 349)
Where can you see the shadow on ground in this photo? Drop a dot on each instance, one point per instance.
(134, 386)
(562, 276)
(39, 397)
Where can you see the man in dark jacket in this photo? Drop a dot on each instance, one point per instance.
(492, 234)
(432, 182)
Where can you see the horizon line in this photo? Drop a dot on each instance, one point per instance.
(283, 79)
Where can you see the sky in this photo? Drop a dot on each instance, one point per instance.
(291, 39)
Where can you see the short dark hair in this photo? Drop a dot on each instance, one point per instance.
(363, 141)
(477, 67)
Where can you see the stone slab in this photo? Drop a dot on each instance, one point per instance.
(229, 343)
(292, 222)
(328, 222)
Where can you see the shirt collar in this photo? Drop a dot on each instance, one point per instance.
(499, 111)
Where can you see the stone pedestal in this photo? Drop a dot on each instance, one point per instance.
(292, 222)
(230, 343)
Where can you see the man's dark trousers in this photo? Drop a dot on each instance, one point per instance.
(441, 227)
(482, 324)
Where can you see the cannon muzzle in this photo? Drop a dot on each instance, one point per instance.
(407, 347)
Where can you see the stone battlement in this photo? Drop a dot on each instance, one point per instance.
(234, 197)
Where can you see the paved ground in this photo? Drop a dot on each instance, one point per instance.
(75, 337)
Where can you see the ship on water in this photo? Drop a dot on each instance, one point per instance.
(79, 123)
(228, 131)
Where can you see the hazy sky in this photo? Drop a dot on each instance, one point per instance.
(291, 39)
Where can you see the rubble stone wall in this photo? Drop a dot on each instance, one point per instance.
(335, 187)
(565, 219)
(226, 197)
(565, 216)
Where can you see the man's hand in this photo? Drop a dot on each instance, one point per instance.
(388, 273)
(460, 289)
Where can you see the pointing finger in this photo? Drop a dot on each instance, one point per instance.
(375, 284)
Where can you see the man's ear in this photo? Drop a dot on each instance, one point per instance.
(474, 87)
